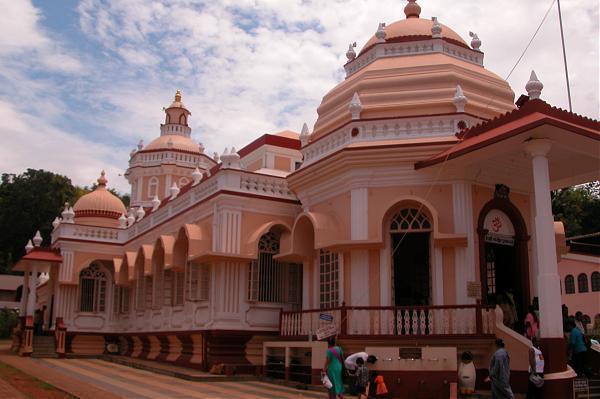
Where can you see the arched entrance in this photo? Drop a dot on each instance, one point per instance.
(410, 233)
(503, 255)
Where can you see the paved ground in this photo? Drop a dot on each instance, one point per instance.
(8, 392)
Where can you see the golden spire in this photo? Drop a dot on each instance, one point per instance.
(178, 96)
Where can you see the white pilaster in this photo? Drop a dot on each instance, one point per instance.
(32, 291)
(385, 276)
(359, 206)
(359, 278)
(437, 296)
(462, 201)
(547, 278)
(533, 259)
(306, 274)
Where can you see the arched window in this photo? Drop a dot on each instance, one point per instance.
(152, 187)
(182, 119)
(92, 286)
(272, 281)
(582, 283)
(410, 219)
(569, 284)
(329, 279)
(596, 281)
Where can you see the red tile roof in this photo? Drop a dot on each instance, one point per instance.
(43, 255)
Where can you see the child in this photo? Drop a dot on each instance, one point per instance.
(362, 378)
(376, 387)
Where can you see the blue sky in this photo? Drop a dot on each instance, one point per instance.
(81, 82)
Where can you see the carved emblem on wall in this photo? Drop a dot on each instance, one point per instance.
(496, 224)
(501, 191)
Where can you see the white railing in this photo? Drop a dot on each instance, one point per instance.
(394, 321)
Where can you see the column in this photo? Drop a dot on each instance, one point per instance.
(359, 259)
(545, 250)
(462, 201)
(24, 295)
(32, 292)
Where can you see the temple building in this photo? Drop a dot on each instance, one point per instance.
(418, 201)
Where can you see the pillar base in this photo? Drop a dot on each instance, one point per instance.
(555, 354)
(559, 385)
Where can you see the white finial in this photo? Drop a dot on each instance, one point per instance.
(355, 107)
(201, 148)
(304, 135)
(380, 34)
(37, 239)
(436, 28)
(140, 145)
(131, 217)
(216, 157)
(351, 54)
(155, 203)
(197, 176)
(174, 191)
(170, 143)
(132, 153)
(29, 246)
(140, 213)
(534, 87)
(122, 221)
(460, 100)
(233, 151)
(475, 42)
(56, 222)
(225, 152)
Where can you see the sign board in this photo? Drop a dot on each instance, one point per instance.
(326, 317)
(474, 289)
(410, 353)
(581, 385)
(326, 331)
(499, 239)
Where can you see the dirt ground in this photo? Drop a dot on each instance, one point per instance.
(30, 387)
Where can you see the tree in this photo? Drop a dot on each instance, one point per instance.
(578, 208)
(29, 202)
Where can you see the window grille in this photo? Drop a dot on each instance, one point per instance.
(596, 281)
(410, 219)
(328, 279)
(92, 285)
(178, 284)
(148, 289)
(157, 286)
(168, 287)
(140, 295)
(569, 284)
(272, 281)
(582, 283)
(198, 281)
(152, 187)
(491, 271)
(124, 299)
(116, 299)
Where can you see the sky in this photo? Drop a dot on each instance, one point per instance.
(81, 82)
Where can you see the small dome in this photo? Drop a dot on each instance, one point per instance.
(417, 28)
(173, 142)
(99, 203)
(177, 102)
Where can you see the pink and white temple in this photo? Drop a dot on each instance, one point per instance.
(421, 193)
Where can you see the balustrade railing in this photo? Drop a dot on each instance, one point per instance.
(407, 321)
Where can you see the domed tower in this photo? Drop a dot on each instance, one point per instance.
(100, 207)
(168, 160)
(419, 77)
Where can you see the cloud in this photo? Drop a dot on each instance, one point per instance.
(246, 67)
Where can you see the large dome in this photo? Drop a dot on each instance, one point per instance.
(414, 29)
(99, 203)
(173, 142)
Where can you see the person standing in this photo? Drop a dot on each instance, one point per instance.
(362, 378)
(500, 373)
(536, 371)
(577, 349)
(351, 365)
(333, 367)
(531, 323)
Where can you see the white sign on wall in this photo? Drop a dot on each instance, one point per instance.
(500, 228)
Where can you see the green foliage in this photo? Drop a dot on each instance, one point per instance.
(29, 202)
(578, 208)
(8, 321)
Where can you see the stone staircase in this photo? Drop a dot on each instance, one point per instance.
(44, 346)
(594, 391)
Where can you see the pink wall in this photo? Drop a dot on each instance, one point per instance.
(586, 302)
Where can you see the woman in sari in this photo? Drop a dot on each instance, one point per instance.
(333, 367)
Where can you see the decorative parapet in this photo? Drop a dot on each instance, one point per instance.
(384, 130)
(91, 233)
(431, 46)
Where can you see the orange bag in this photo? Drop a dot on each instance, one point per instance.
(381, 388)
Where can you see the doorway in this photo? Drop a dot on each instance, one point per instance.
(411, 269)
(502, 268)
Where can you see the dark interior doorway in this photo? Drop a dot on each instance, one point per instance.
(503, 276)
(411, 268)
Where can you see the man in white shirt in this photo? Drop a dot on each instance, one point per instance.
(351, 366)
